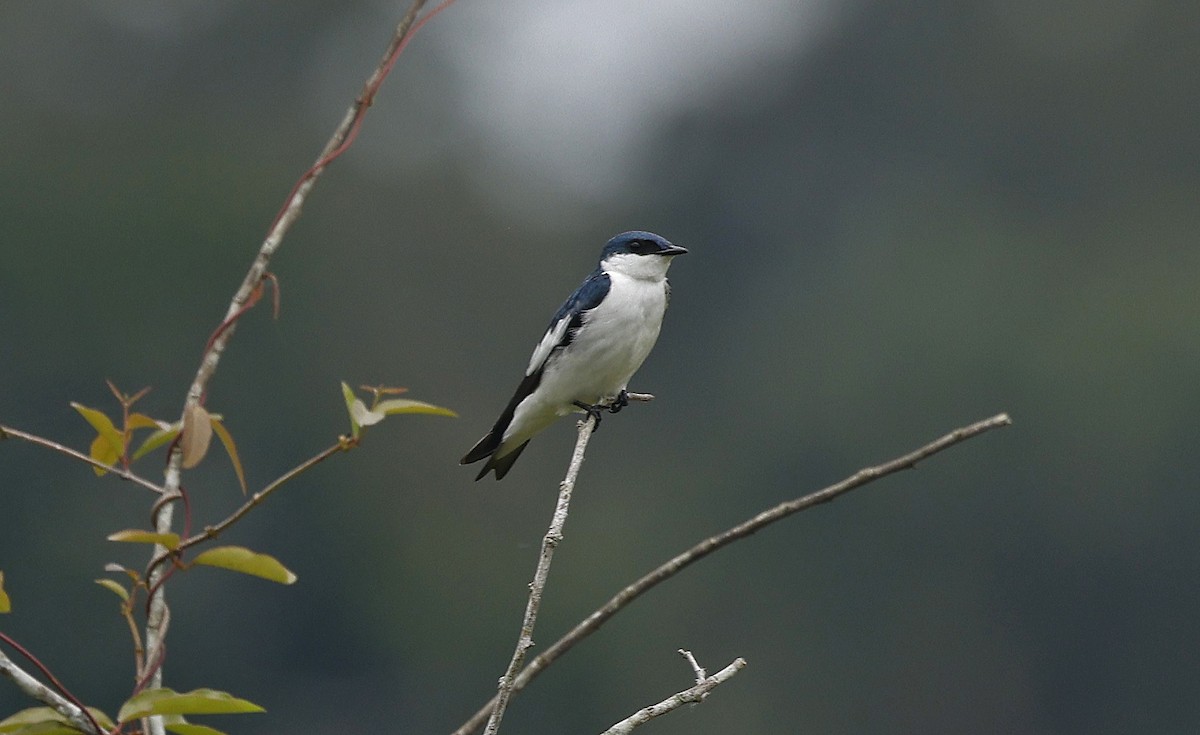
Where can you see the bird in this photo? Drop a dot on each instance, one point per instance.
(596, 341)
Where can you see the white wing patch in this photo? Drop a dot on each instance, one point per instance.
(553, 338)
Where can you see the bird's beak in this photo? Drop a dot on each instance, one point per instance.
(673, 250)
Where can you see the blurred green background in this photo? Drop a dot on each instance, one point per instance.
(902, 218)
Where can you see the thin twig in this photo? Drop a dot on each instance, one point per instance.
(688, 696)
(124, 474)
(672, 567)
(554, 536)
(157, 618)
(211, 532)
(697, 669)
(139, 652)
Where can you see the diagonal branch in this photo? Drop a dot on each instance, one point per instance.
(124, 474)
(72, 712)
(694, 695)
(211, 532)
(673, 566)
(554, 536)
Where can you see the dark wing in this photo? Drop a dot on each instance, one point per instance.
(559, 334)
(567, 320)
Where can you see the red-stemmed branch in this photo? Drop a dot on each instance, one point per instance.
(247, 294)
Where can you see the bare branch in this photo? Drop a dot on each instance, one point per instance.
(554, 536)
(6, 431)
(688, 696)
(79, 718)
(672, 567)
(337, 144)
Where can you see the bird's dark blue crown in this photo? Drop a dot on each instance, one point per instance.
(637, 242)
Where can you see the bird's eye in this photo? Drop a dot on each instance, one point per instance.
(642, 247)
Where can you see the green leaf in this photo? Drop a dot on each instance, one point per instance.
(196, 702)
(30, 716)
(44, 720)
(230, 449)
(103, 426)
(117, 568)
(142, 421)
(188, 728)
(241, 559)
(134, 536)
(157, 439)
(115, 588)
(353, 406)
(361, 416)
(46, 727)
(5, 602)
(102, 451)
(394, 406)
(180, 726)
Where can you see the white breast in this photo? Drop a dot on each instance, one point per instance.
(611, 345)
(614, 340)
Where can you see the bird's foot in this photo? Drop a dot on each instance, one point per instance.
(593, 411)
(621, 401)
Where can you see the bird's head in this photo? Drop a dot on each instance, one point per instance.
(639, 255)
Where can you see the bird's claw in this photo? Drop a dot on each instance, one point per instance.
(593, 411)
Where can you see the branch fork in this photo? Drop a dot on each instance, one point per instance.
(513, 684)
(694, 695)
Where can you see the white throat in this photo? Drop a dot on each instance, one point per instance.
(641, 267)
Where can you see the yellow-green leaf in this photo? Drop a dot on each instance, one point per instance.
(197, 433)
(180, 726)
(42, 719)
(30, 716)
(196, 702)
(407, 405)
(230, 449)
(351, 401)
(241, 559)
(5, 602)
(102, 451)
(115, 588)
(103, 426)
(45, 727)
(157, 439)
(142, 421)
(134, 536)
